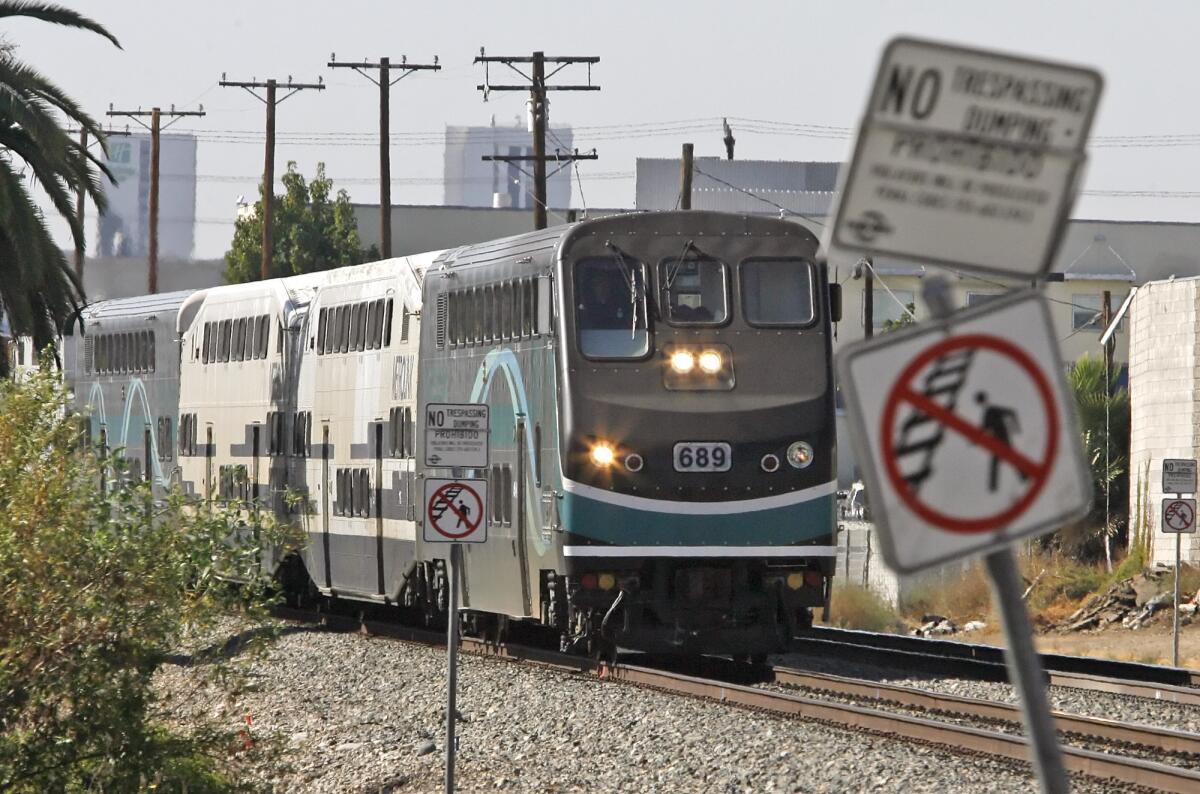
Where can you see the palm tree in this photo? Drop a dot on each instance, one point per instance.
(1104, 427)
(38, 289)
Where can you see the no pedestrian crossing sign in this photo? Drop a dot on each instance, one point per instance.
(1178, 515)
(967, 158)
(966, 431)
(456, 511)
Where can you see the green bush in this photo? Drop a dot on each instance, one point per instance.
(96, 588)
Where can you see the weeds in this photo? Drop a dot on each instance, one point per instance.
(856, 607)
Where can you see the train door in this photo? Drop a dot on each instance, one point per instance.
(377, 499)
(325, 504)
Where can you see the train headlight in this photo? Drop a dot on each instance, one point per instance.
(710, 362)
(683, 362)
(800, 454)
(602, 455)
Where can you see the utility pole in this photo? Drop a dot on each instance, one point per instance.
(80, 197)
(385, 82)
(155, 128)
(685, 189)
(268, 186)
(537, 89)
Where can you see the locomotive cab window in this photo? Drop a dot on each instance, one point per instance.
(694, 291)
(610, 303)
(777, 292)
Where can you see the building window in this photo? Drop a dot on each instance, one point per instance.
(1085, 313)
(980, 298)
(887, 309)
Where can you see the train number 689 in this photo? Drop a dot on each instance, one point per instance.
(702, 456)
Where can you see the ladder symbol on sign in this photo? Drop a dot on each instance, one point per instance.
(444, 501)
(920, 435)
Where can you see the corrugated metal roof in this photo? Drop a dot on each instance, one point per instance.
(164, 302)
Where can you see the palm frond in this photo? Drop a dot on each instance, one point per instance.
(55, 15)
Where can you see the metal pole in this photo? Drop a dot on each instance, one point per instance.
(868, 299)
(1025, 672)
(1175, 628)
(152, 259)
(385, 162)
(1024, 664)
(452, 662)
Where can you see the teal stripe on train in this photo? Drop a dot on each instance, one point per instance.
(608, 523)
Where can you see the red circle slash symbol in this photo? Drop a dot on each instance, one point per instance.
(1179, 515)
(1034, 472)
(457, 514)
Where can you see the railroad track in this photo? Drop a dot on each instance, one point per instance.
(741, 685)
(986, 662)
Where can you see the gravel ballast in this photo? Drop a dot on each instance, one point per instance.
(360, 714)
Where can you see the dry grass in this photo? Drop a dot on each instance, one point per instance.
(963, 597)
(856, 607)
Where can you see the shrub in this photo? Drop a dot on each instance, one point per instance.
(96, 588)
(960, 596)
(856, 607)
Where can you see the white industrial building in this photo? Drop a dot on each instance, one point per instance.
(471, 181)
(124, 228)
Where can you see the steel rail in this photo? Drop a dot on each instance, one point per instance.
(983, 667)
(958, 738)
(1164, 739)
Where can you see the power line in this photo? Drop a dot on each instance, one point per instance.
(752, 194)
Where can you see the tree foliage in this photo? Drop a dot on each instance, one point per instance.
(38, 289)
(314, 229)
(97, 587)
(1104, 430)
(906, 318)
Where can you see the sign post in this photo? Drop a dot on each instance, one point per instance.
(964, 427)
(456, 510)
(1178, 517)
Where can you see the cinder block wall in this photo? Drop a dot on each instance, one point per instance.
(1164, 377)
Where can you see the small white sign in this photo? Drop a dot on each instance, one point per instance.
(1179, 475)
(967, 158)
(456, 435)
(1178, 515)
(966, 431)
(456, 511)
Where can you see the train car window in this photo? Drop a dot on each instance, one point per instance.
(321, 321)
(374, 326)
(150, 350)
(360, 318)
(278, 338)
(506, 303)
(454, 317)
(610, 300)
(362, 492)
(506, 500)
(497, 324)
(264, 328)
(226, 332)
(694, 291)
(238, 347)
(493, 489)
(387, 325)
(410, 433)
(404, 317)
(207, 341)
(488, 296)
(777, 292)
(347, 317)
(355, 337)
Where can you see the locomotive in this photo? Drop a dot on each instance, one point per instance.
(661, 469)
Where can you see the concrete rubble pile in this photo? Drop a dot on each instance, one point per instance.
(1132, 603)
(938, 625)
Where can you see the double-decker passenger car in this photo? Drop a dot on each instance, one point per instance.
(122, 364)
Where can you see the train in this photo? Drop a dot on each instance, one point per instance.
(662, 455)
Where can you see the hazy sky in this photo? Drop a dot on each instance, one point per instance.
(661, 63)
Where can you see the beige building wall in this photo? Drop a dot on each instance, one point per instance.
(1164, 373)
